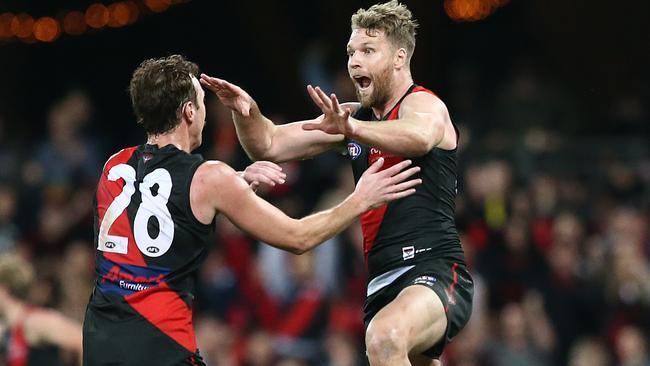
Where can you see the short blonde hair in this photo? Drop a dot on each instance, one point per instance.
(16, 275)
(394, 19)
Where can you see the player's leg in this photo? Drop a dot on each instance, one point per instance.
(412, 323)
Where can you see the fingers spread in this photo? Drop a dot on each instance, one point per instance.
(405, 185)
(402, 194)
(314, 96)
(375, 166)
(397, 168)
(405, 174)
(323, 97)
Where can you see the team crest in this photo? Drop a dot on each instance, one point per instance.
(354, 150)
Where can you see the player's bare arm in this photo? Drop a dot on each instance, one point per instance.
(216, 188)
(423, 124)
(260, 137)
(50, 327)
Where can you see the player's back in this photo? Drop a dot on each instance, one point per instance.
(149, 246)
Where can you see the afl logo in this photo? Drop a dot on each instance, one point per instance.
(354, 150)
(109, 245)
(153, 250)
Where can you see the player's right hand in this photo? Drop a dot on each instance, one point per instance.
(377, 187)
(229, 94)
(263, 172)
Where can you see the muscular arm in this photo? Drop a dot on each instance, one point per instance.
(260, 137)
(216, 188)
(423, 124)
(264, 140)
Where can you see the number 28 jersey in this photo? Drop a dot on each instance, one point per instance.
(149, 244)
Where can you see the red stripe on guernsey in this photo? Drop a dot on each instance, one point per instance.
(301, 314)
(162, 307)
(422, 89)
(106, 192)
(371, 220)
(452, 288)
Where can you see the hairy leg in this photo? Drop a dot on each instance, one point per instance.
(410, 324)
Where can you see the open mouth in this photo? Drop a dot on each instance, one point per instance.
(363, 82)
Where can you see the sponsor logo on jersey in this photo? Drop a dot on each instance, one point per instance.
(125, 279)
(354, 150)
(408, 252)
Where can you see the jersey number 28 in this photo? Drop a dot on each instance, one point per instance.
(151, 206)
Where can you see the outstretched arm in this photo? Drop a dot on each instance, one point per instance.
(262, 220)
(423, 124)
(260, 137)
(52, 328)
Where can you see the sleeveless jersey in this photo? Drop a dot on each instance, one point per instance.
(149, 244)
(415, 228)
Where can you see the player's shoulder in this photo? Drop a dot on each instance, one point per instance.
(422, 99)
(121, 156)
(214, 172)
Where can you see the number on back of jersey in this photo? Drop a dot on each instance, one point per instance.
(153, 228)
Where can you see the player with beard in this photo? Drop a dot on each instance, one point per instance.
(419, 292)
(155, 210)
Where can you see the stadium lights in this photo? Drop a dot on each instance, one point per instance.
(26, 28)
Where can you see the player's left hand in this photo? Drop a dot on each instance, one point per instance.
(335, 120)
(263, 172)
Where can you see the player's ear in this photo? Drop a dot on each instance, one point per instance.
(400, 58)
(188, 110)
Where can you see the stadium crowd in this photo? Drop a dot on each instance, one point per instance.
(554, 225)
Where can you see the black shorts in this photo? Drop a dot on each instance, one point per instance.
(117, 335)
(448, 279)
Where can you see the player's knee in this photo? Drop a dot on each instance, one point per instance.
(386, 342)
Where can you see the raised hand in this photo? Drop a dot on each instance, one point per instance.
(378, 187)
(229, 94)
(335, 120)
(263, 172)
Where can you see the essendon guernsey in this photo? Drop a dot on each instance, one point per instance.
(415, 228)
(149, 247)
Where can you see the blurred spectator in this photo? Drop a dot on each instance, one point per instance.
(632, 347)
(526, 337)
(32, 335)
(588, 352)
(215, 341)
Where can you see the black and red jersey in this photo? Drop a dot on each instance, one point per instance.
(415, 228)
(149, 248)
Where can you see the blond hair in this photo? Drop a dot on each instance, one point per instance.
(394, 19)
(16, 275)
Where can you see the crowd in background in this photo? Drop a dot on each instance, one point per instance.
(554, 228)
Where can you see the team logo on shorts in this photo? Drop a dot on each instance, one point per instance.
(354, 150)
(408, 252)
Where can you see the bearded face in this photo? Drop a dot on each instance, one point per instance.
(377, 88)
(370, 67)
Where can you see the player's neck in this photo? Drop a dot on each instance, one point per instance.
(398, 90)
(176, 138)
